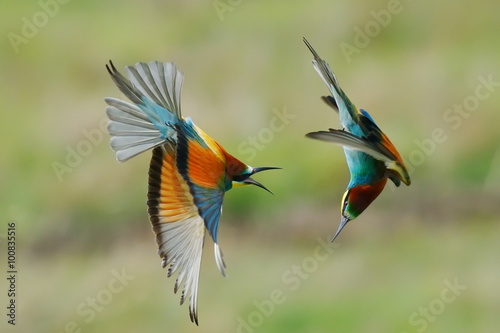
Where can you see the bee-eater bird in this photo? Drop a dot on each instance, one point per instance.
(371, 157)
(188, 174)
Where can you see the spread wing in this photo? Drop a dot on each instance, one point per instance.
(130, 129)
(346, 139)
(155, 90)
(396, 170)
(177, 224)
(347, 110)
(180, 211)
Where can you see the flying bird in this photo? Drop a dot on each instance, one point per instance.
(189, 171)
(371, 157)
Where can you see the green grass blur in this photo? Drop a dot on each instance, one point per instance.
(243, 64)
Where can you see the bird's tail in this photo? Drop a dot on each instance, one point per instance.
(155, 89)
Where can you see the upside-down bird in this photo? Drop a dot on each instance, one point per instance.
(189, 171)
(371, 157)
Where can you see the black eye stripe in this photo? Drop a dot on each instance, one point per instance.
(239, 178)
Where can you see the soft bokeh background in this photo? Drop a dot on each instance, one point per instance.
(244, 62)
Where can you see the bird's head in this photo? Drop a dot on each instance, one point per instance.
(356, 199)
(243, 178)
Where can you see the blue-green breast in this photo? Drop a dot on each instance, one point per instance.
(364, 169)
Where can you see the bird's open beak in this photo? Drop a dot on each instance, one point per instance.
(252, 181)
(343, 222)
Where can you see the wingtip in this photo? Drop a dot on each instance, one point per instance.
(306, 42)
(108, 69)
(309, 46)
(111, 67)
(316, 135)
(193, 316)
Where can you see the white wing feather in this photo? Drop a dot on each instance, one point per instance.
(348, 140)
(133, 131)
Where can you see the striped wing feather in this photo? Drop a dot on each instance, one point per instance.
(178, 227)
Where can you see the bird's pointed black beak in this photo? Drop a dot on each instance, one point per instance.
(343, 222)
(254, 182)
(251, 181)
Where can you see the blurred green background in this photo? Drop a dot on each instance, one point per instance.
(81, 216)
